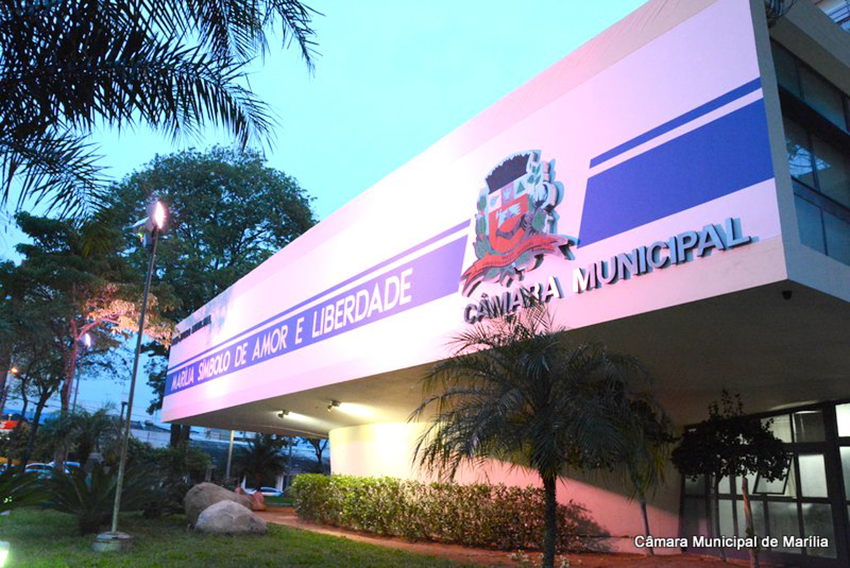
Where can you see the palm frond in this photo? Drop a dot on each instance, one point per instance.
(55, 167)
(515, 388)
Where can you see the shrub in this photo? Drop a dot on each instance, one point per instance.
(90, 498)
(493, 516)
(19, 489)
(182, 461)
(166, 497)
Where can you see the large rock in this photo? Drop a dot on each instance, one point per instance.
(227, 517)
(258, 501)
(203, 495)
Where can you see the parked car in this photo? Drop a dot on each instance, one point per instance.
(266, 491)
(42, 469)
(68, 466)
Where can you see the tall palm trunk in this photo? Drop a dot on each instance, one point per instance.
(551, 520)
(645, 521)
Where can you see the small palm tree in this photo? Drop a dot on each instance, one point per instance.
(515, 390)
(85, 431)
(262, 456)
(650, 434)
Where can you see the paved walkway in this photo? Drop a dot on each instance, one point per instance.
(484, 557)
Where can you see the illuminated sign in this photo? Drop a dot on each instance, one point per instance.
(678, 249)
(511, 301)
(429, 277)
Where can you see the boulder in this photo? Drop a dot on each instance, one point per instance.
(258, 501)
(203, 495)
(227, 517)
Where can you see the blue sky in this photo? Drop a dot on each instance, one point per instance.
(392, 78)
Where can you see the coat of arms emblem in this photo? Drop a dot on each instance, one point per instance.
(516, 223)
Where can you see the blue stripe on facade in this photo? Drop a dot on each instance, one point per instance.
(424, 279)
(721, 157)
(330, 290)
(706, 108)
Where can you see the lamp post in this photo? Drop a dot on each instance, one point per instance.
(149, 229)
(87, 344)
(4, 394)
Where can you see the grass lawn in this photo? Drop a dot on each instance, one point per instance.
(50, 539)
(280, 501)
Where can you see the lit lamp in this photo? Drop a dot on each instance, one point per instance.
(4, 552)
(87, 345)
(148, 230)
(4, 391)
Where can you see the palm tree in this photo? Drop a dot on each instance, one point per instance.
(650, 435)
(176, 65)
(515, 390)
(262, 456)
(85, 431)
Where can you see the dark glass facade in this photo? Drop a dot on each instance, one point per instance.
(813, 499)
(816, 115)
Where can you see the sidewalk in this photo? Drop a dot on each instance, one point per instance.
(484, 557)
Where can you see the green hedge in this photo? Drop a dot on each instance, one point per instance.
(493, 516)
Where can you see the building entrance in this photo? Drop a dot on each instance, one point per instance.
(810, 502)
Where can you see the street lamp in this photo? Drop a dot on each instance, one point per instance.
(148, 229)
(4, 392)
(87, 344)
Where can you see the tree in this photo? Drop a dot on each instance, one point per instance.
(729, 443)
(228, 212)
(262, 456)
(319, 446)
(68, 67)
(85, 432)
(650, 436)
(515, 390)
(41, 375)
(85, 291)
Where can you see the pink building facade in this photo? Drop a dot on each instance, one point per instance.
(672, 188)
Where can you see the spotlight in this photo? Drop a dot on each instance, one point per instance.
(282, 414)
(333, 404)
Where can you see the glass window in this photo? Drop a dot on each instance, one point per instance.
(725, 486)
(822, 97)
(785, 486)
(780, 426)
(751, 481)
(783, 521)
(837, 237)
(812, 475)
(799, 153)
(842, 415)
(727, 518)
(811, 225)
(845, 468)
(694, 519)
(786, 69)
(808, 426)
(817, 521)
(757, 508)
(695, 487)
(833, 171)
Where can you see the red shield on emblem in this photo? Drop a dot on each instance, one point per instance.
(505, 221)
